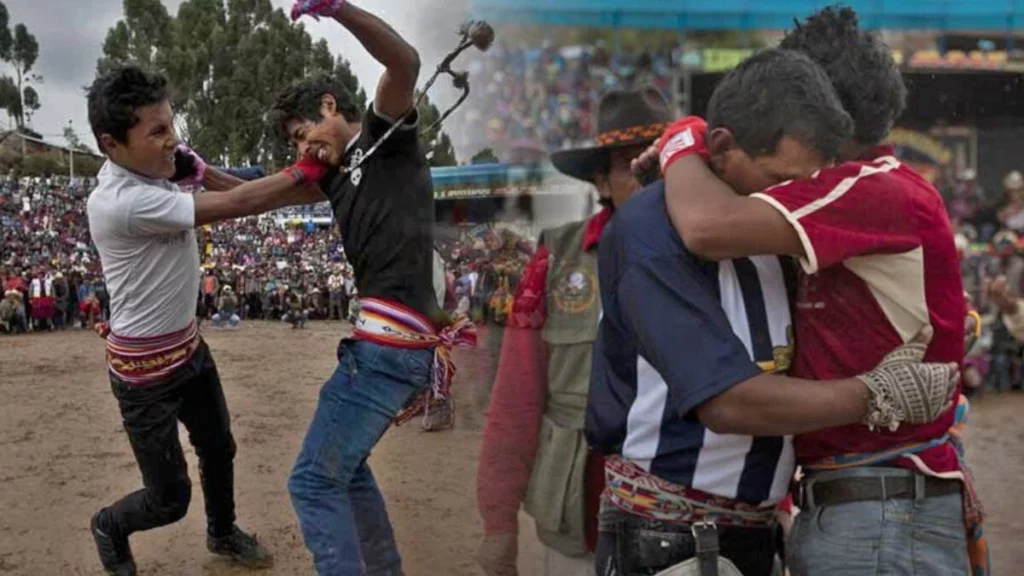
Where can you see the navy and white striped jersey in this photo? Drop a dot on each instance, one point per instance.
(677, 331)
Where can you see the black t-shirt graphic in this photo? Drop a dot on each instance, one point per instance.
(385, 211)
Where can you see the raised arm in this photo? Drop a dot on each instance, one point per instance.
(401, 62)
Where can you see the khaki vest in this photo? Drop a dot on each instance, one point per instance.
(555, 497)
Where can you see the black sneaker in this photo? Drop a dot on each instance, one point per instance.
(242, 548)
(115, 554)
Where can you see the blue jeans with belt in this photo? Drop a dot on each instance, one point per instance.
(922, 535)
(340, 508)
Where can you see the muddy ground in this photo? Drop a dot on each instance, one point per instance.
(63, 454)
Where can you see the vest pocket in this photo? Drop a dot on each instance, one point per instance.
(555, 496)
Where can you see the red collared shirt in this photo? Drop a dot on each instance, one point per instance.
(880, 264)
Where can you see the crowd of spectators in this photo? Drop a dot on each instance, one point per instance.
(543, 98)
(289, 265)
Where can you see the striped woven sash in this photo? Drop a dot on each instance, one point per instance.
(391, 324)
(142, 361)
(634, 490)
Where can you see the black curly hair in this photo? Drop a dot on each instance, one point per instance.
(860, 66)
(301, 101)
(114, 97)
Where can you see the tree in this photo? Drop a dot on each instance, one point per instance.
(227, 60)
(6, 40)
(485, 156)
(24, 53)
(440, 151)
(30, 102)
(74, 142)
(9, 99)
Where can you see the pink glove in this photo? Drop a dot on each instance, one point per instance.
(189, 167)
(316, 8)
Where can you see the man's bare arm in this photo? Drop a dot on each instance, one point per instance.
(770, 405)
(716, 223)
(255, 197)
(401, 61)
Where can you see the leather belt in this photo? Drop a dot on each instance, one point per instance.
(813, 493)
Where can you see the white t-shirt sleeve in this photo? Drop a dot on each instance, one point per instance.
(157, 211)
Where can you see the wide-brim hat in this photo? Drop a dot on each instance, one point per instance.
(624, 118)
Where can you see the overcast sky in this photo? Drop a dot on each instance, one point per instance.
(71, 42)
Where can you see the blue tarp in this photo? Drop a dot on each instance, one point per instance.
(1001, 15)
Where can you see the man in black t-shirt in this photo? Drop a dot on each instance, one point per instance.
(383, 203)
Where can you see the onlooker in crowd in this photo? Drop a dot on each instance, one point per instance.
(336, 287)
(297, 314)
(227, 309)
(12, 313)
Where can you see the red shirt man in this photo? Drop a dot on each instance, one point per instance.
(879, 263)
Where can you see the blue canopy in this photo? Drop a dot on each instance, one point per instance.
(1000, 15)
(485, 174)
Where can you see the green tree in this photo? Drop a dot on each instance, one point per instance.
(6, 40)
(440, 151)
(227, 60)
(20, 49)
(30, 102)
(485, 156)
(74, 142)
(9, 99)
(24, 53)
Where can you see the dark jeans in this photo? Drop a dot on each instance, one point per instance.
(192, 395)
(629, 545)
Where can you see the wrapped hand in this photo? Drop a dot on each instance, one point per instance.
(905, 389)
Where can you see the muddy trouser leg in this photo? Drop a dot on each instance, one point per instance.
(150, 416)
(204, 413)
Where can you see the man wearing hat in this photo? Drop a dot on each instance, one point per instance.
(533, 452)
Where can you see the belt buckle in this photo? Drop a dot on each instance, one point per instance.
(705, 535)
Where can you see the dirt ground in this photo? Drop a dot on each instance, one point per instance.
(63, 454)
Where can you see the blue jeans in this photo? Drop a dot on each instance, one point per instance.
(897, 537)
(340, 508)
(230, 319)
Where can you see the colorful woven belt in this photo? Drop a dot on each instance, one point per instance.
(634, 490)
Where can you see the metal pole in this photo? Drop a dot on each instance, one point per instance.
(71, 155)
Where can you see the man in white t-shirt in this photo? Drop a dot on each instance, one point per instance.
(161, 371)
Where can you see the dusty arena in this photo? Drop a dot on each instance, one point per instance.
(64, 455)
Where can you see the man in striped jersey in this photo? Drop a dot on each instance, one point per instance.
(879, 262)
(683, 400)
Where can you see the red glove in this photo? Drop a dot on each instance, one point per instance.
(684, 137)
(307, 171)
